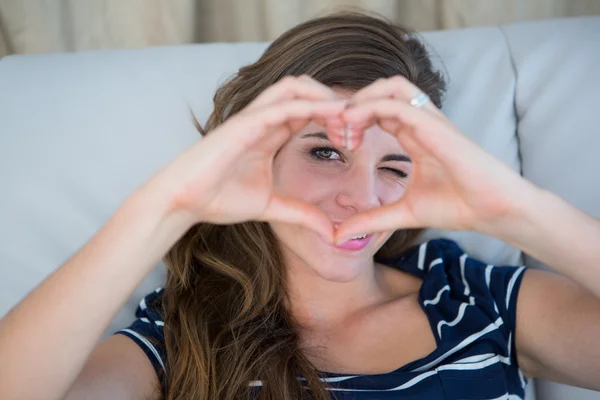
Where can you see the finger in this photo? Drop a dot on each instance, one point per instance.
(434, 134)
(359, 114)
(395, 129)
(281, 113)
(292, 87)
(331, 126)
(408, 143)
(395, 87)
(385, 218)
(431, 134)
(252, 127)
(335, 128)
(304, 87)
(333, 133)
(429, 131)
(300, 213)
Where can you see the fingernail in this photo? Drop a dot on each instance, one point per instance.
(345, 137)
(349, 137)
(339, 241)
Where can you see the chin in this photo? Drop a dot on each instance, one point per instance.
(337, 269)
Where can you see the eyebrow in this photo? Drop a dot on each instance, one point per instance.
(318, 135)
(389, 157)
(396, 157)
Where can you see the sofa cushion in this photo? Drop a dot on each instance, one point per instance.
(79, 133)
(557, 91)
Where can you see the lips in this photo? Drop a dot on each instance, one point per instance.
(353, 244)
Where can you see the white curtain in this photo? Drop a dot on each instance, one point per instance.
(32, 26)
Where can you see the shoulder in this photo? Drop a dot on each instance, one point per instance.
(461, 293)
(448, 267)
(447, 257)
(470, 304)
(422, 257)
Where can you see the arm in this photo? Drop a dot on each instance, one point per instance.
(551, 230)
(47, 338)
(557, 330)
(117, 369)
(558, 317)
(455, 185)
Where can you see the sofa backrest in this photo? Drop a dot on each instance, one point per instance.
(558, 113)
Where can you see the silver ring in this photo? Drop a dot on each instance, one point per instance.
(420, 100)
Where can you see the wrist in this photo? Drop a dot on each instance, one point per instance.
(160, 200)
(519, 217)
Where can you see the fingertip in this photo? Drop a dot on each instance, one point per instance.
(338, 140)
(339, 239)
(299, 213)
(328, 236)
(343, 233)
(335, 136)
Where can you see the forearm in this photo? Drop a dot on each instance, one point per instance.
(558, 234)
(46, 339)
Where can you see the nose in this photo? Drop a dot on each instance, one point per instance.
(357, 190)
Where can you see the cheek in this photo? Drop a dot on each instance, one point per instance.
(302, 181)
(391, 191)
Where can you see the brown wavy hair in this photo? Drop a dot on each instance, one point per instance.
(225, 323)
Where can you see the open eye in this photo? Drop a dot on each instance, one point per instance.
(325, 153)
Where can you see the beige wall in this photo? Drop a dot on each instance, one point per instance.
(30, 26)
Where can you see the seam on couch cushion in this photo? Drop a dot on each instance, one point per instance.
(515, 110)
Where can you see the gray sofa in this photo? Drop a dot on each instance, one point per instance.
(80, 131)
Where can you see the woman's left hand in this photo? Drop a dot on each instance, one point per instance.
(454, 183)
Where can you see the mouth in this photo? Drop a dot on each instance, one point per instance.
(355, 243)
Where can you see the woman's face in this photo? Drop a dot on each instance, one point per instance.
(341, 183)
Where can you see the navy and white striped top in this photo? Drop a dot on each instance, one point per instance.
(471, 308)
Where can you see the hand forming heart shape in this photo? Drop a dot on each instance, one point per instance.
(227, 177)
(454, 183)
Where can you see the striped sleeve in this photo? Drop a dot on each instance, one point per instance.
(495, 287)
(503, 283)
(147, 331)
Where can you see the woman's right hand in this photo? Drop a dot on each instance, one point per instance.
(227, 177)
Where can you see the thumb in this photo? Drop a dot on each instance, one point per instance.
(386, 218)
(297, 212)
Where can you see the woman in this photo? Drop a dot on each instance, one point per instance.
(289, 233)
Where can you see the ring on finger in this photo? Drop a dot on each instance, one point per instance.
(420, 100)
